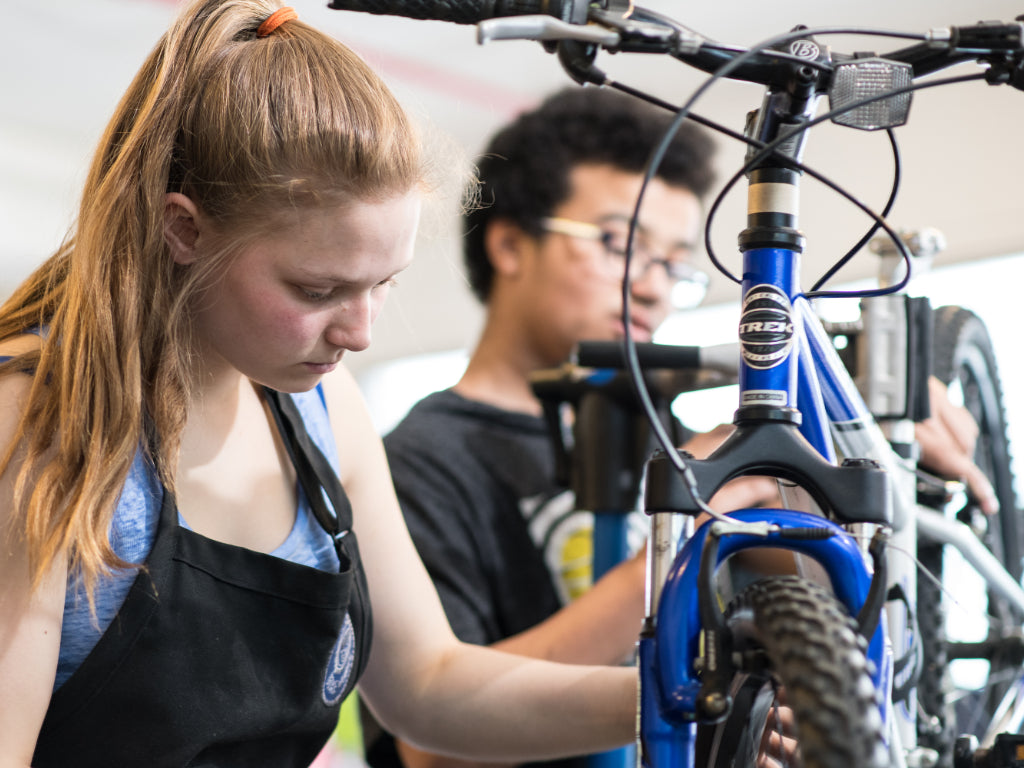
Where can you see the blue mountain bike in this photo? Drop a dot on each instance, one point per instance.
(849, 641)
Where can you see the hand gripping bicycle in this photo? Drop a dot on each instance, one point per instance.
(834, 639)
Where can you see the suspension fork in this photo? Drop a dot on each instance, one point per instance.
(670, 704)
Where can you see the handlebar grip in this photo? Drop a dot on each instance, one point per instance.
(990, 37)
(457, 11)
(609, 354)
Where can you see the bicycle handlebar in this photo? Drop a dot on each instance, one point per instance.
(985, 41)
(997, 43)
(609, 354)
(464, 11)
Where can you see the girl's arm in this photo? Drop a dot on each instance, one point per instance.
(421, 682)
(29, 621)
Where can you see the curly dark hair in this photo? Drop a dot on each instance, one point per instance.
(524, 171)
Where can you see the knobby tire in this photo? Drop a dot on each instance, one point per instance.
(796, 637)
(964, 360)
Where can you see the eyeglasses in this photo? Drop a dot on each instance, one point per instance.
(689, 284)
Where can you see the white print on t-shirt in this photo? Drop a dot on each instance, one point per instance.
(565, 535)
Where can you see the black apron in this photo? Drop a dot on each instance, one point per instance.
(221, 656)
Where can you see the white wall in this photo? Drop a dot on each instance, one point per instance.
(67, 62)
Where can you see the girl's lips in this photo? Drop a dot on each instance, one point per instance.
(321, 367)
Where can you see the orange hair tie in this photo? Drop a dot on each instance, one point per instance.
(275, 20)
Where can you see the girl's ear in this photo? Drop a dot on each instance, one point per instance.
(181, 227)
(507, 245)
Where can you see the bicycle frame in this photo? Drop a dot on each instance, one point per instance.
(797, 371)
(798, 406)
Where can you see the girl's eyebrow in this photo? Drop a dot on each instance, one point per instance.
(303, 272)
(326, 275)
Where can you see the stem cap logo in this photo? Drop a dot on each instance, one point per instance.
(766, 327)
(805, 49)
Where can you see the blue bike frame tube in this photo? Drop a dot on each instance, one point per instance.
(662, 743)
(855, 432)
(843, 404)
(611, 547)
(814, 420)
(669, 682)
(768, 369)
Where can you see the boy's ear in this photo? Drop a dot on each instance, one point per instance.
(506, 245)
(181, 227)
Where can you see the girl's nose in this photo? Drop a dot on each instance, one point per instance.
(350, 325)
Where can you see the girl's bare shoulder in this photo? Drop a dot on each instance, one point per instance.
(19, 345)
(14, 387)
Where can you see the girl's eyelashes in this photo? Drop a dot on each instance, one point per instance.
(315, 295)
(321, 294)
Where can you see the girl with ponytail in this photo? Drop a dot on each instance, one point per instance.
(195, 510)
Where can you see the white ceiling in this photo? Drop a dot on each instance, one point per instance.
(66, 62)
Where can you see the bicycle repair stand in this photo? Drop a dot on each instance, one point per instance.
(602, 460)
(602, 455)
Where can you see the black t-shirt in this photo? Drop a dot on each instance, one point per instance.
(476, 485)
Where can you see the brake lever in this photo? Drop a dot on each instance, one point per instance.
(637, 34)
(611, 30)
(1009, 71)
(544, 28)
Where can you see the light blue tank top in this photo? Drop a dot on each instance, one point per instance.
(133, 531)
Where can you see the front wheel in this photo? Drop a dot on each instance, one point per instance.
(797, 642)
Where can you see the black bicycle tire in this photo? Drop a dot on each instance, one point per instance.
(806, 643)
(961, 342)
(963, 353)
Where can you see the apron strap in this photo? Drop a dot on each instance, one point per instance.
(317, 477)
(315, 473)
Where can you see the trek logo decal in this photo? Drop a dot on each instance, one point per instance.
(766, 327)
(339, 666)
